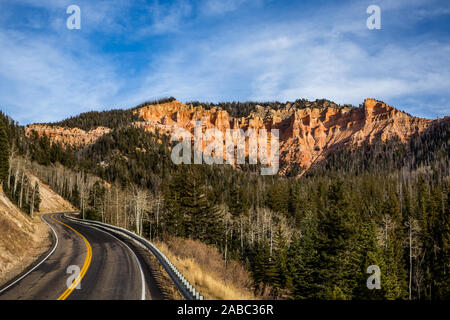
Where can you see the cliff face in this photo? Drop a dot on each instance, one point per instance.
(306, 135)
(73, 137)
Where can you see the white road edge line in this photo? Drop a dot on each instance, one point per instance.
(135, 256)
(34, 268)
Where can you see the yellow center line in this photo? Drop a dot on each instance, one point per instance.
(87, 262)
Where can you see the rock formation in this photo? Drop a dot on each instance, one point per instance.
(73, 137)
(307, 134)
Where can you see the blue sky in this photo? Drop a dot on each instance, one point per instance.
(127, 52)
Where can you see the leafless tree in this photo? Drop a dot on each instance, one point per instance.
(11, 158)
(21, 189)
(33, 198)
(140, 199)
(414, 248)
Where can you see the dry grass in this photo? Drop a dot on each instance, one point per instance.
(22, 239)
(163, 280)
(50, 201)
(205, 268)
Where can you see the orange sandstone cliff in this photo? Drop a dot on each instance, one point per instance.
(307, 134)
(73, 137)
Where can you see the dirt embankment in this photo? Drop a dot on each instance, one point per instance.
(22, 238)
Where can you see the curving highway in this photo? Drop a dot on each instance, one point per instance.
(85, 263)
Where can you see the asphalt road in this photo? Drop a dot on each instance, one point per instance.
(103, 266)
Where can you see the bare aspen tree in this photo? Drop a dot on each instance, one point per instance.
(82, 197)
(252, 234)
(419, 275)
(102, 209)
(11, 157)
(264, 225)
(140, 203)
(117, 205)
(158, 203)
(414, 246)
(32, 201)
(16, 177)
(410, 258)
(271, 235)
(226, 243)
(125, 225)
(27, 192)
(21, 189)
(108, 216)
(228, 229)
(242, 239)
(231, 230)
(257, 223)
(387, 222)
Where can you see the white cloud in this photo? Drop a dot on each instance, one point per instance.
(297, 60)
(219, 7)
(165, 18)
(47, 77)
(43, 83)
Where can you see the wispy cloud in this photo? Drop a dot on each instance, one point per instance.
(130, 52)
(290, 60)
(42, 83)
(219, 7)
(165, 18)
(295, 60)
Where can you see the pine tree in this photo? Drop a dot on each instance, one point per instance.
(282, 277)
(37, 197)
(264, 271)
(276, 198)
(75, 198)
(239, 203)
(436, 245)
(336, 233)
(194, 204)
(173, 219)
(4, 152)
(394, 283)
(366, 252)
(303, 262)
(189, 212)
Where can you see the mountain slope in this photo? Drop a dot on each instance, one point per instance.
(309, 132)
(377, 179)
(24, 239)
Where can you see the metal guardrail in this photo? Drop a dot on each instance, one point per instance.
(187, 290)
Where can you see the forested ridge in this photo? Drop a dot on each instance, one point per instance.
(114, 118)
(14, 181)
(238, 109)
(384, 204)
